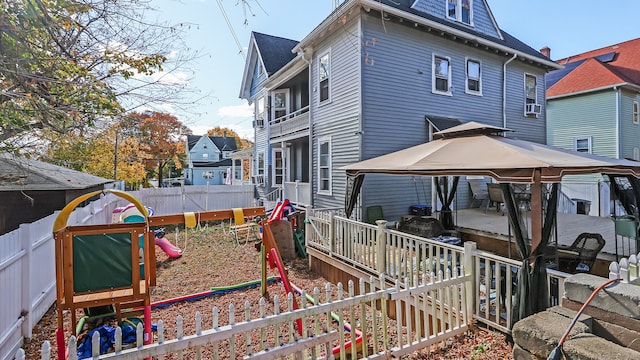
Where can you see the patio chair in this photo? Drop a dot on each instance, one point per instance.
(495, 197)
(479, 191)
(375, 213)
(581, 255)
(240, 227)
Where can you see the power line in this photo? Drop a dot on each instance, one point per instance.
(233, 32)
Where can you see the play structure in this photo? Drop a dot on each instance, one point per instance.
(131, 214)
(108, 270)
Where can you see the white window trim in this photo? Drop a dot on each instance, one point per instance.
(273, 168)
(328, 99)
(466, 82)
(589, 146)
(458, 17)
(635, 113)
(433, 76)
(636, 154)
(322, 140)
(264, 162)
(524, 88)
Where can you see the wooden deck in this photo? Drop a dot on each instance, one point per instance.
(493, 224)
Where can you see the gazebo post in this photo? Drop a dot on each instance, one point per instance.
(536, 213)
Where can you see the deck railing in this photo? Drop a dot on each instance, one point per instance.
(404, 257)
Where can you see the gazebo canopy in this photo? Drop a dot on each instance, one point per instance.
(478, 149)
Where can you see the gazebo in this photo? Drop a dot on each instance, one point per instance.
(477, 149)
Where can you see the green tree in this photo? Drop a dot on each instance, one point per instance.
(68, 64)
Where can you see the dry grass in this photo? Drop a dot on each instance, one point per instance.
(211, 259)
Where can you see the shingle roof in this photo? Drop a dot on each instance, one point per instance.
(206, 164)
(17, 173)
(607, 66)
(509, 40)
(224, 143)
(275, 51)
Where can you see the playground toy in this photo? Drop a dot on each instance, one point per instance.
(240, 227)
(130, 214)
(113, 264)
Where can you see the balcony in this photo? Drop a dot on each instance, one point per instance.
(292, 125)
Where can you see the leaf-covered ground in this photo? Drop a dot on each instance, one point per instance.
(212, 259)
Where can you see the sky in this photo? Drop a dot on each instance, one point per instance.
(567, 27)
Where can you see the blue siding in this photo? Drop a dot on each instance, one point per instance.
(257, 78)
(338, 119)
(397, 94)
(481, 15)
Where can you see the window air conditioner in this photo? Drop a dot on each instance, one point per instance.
(258, 123)
(533, 109)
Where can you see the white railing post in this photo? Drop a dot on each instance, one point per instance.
(297, 191)
(470, 248)
(332, 245)
(381, 246)
(25, 237)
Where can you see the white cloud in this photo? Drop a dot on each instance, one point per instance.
(236, 111)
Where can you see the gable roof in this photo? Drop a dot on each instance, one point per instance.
(223, 143)
(609, 66)
(18, 173)
(275, 51)
(404, 9)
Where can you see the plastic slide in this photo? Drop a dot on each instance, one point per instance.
(171, 250)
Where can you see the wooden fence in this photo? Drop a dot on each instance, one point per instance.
(339, 325)
(27, 262)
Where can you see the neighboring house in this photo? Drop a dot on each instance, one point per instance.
(31, 190)
(209, 160)
(593, 107)
(378, 76)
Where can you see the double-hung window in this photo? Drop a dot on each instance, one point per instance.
(324, 76)
(441, 78)
(260, 167)
(636, 109)
(474, 85)
(324, 165)
(530, 89)
(460, 10)
(582, 144)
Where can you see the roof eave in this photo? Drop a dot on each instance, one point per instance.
(373, 4)
(601, 88)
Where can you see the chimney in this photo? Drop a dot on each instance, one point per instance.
(546, 51)
(224, 134)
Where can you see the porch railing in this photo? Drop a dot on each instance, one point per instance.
(292, 123)
(403, 257)
(298, 193)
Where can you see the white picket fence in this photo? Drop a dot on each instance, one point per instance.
(432, 310)
(404, 257)
(627, 270)
(27, 256)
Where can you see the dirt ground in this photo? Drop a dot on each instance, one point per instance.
(212, 258)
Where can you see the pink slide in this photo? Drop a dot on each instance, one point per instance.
(171, 250)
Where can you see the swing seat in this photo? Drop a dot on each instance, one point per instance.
(240, 227)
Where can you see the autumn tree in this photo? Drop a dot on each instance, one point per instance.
(224, 131)
(162, 135)
(68, 64)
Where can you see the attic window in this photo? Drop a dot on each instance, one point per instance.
(260, 69)
(460, 10)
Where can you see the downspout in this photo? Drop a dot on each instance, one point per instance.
(504, 91)
(309, 62)
(617, 90)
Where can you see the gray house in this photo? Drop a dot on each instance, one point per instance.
(379, 76)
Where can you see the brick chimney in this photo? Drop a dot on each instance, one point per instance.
(546, 51)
